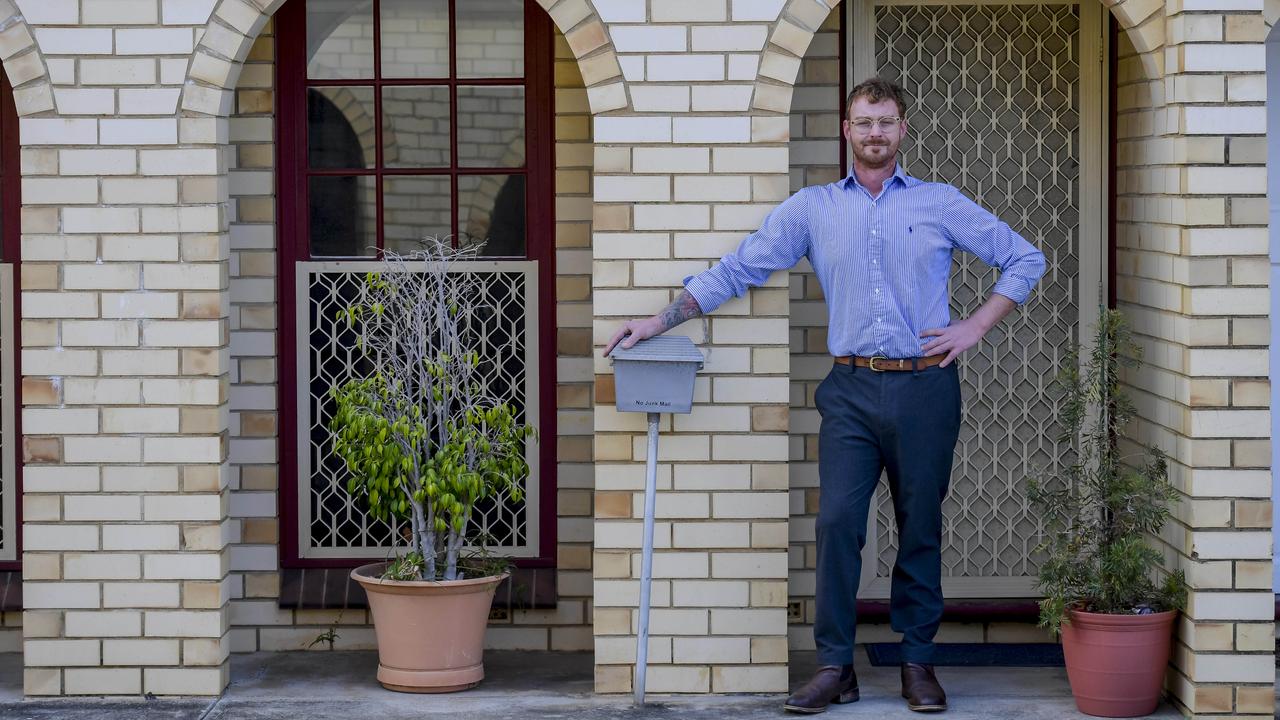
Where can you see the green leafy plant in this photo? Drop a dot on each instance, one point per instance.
(423, 438)
(329, 636)
(1103, 508)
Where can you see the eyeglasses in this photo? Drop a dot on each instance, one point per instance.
(886, 124)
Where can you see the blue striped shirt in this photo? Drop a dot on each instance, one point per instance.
(884, 262)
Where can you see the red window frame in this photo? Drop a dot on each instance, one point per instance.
(294, 246)
(11, 252)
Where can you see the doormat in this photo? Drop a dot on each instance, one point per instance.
(975, 654)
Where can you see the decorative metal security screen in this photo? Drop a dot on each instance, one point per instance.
(331, 523)
(996, 110)
(8, 458)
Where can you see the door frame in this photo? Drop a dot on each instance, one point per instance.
(1096, 241)
(11, 350)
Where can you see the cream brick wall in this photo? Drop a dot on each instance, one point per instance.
(251, 165)
(568, 626)
(815, 160)
(675, 189)
(1190, 236)
(132, 266)
(123, 349)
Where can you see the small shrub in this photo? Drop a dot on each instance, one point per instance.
(422, 437)
(1104, 507)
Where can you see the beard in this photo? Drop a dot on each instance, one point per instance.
(875, 153)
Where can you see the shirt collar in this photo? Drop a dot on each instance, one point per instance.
(898, 174)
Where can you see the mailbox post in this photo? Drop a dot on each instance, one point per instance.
(654, 377)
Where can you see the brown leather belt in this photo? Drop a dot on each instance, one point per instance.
(881, 364)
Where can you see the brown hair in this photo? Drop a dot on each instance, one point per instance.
(876, 90)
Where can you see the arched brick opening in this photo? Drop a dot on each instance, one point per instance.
(586, 75)
(1147, 106)
(800, 19)
(23, 62)
(233, 26)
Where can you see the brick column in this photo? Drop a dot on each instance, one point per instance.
(125, 353)
(1192, 278)
(681, 177)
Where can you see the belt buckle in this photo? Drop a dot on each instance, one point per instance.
(871, 363)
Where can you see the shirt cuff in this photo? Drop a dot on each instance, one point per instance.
(701, 291)
(1015, 288)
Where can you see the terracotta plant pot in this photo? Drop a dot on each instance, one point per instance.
(430, 634)
(1116, 663)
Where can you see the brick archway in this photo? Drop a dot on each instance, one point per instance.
(800, 19)
(23, 62)
(233, 26)
(1153, 111)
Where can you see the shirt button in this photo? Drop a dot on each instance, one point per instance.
(877, 319)
(877, 291)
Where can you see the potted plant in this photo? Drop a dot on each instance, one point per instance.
(1098, 578)
(424, 441)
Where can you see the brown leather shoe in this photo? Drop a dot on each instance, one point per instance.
(825, 688)
(921, 689)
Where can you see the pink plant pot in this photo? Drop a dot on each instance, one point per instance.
(430, 634)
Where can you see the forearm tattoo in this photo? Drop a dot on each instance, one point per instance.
(684, 307)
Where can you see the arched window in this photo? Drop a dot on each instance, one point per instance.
(397, 120)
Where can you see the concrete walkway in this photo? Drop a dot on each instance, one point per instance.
(521, 685)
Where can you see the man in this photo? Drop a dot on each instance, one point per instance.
(880, 243)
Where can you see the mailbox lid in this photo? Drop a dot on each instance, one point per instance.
(663, 348)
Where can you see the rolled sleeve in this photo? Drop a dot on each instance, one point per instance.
(981, 233)
(780, 242)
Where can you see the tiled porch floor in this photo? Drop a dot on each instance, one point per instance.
(279, 686)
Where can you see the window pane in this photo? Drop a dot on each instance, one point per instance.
(491, 127)
(415, 38)
(415, 127)
(339, 39)
(341, 127)
(343, 216)
(491, 210)
(414, 207)
(491, 38)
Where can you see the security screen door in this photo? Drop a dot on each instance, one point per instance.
(1007, 104)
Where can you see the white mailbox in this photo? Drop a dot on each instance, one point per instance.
(656, 376)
